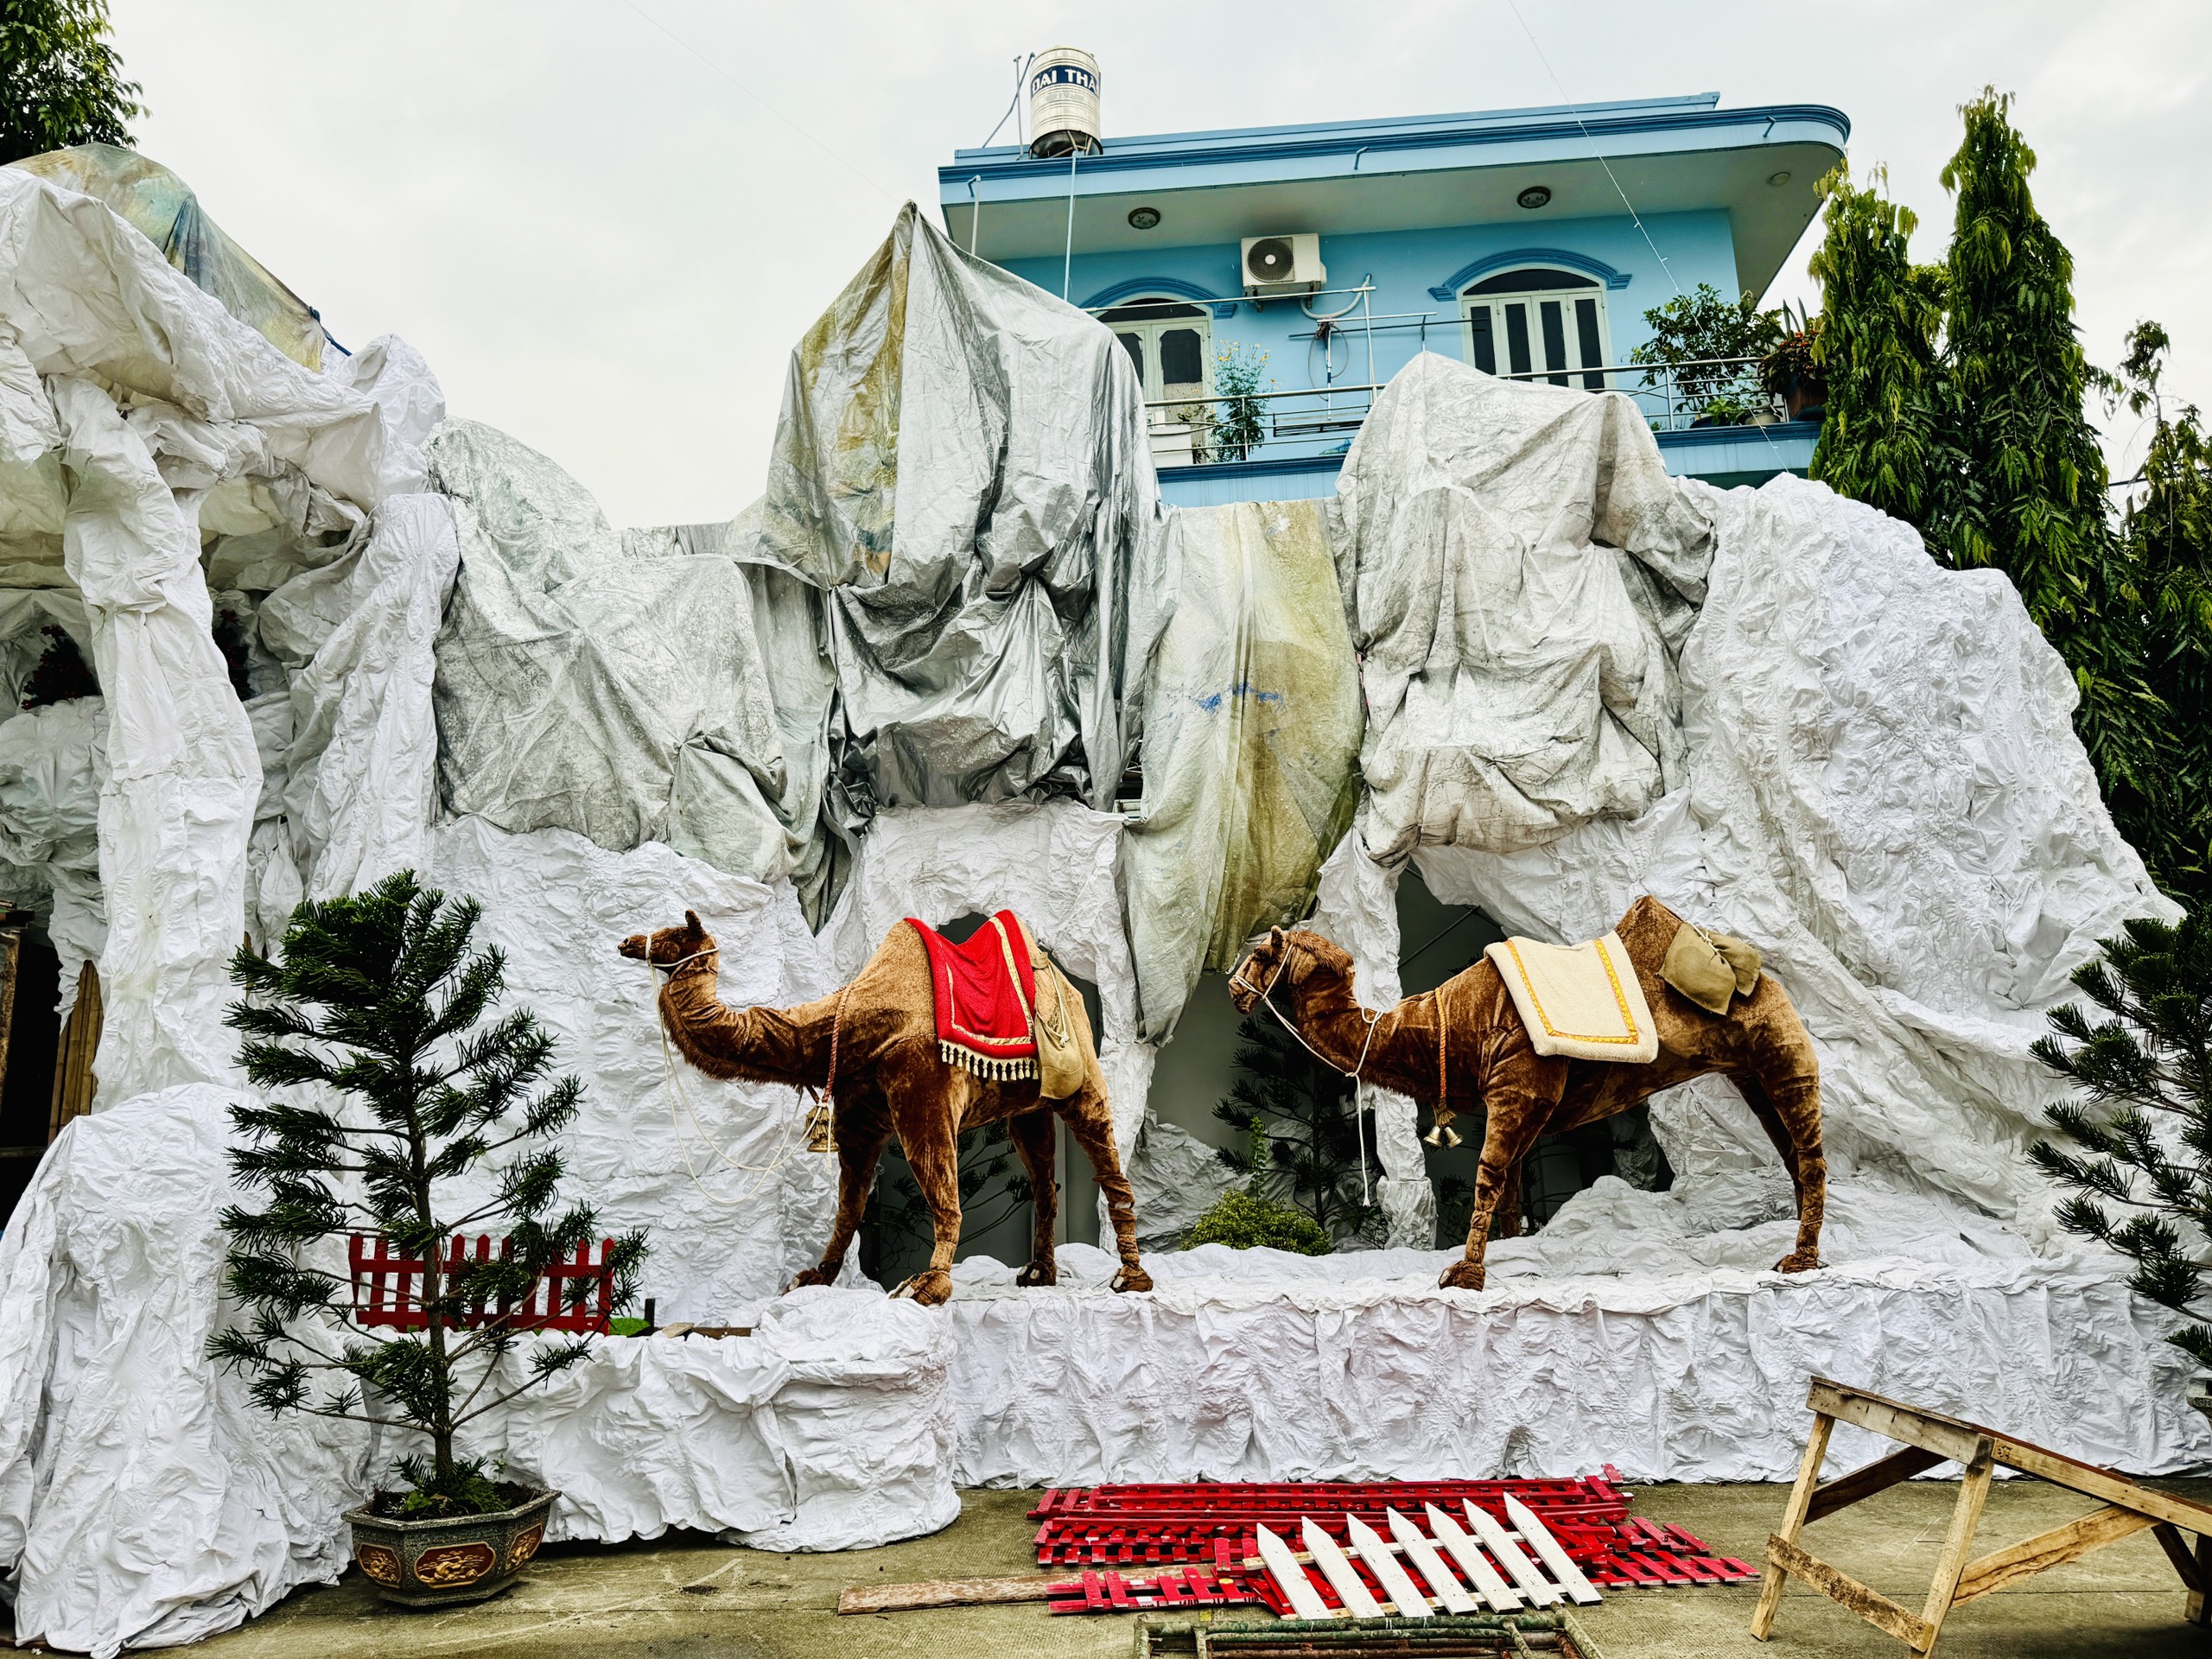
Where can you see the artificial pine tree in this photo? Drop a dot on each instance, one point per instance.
(1876, 349)
(2146, 1131)
(372, 1016)
(1302, 1134)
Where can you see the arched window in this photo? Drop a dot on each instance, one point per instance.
(1538, 319)
(1171, 341)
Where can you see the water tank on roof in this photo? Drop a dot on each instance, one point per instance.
(1064, 102)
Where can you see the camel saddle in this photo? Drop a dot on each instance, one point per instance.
(1580, 1000)
(985, 993)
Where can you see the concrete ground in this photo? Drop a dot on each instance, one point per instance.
(691, 1596)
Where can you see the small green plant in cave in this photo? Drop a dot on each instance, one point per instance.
(61, 674)
(1246, 1221)
(388, 1103)
(2142, 1128)
(1302, 1136)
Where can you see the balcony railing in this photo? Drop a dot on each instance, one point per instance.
(1316, 422)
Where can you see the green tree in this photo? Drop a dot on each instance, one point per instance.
(2166, 535)
(2144, 1130)
(1699, 327)
(60, 82)
(1875, 348)
(1302, 1137)
(388, 1097)
(2022, 479)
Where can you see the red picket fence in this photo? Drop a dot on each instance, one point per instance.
(387, 1288)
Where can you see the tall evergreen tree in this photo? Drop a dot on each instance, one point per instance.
(2021, 487)
(1302, 1132)
(60, 82)
(1875, 348)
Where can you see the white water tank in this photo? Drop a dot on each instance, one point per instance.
(1064, 102)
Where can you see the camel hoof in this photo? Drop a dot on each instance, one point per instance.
(1130, 1279)
(813, 1276)
(1798, 1262)
(1037, 1273)
(931, 1289)
(1462, 1276)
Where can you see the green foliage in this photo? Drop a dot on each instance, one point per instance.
(385, 1092)
(1303, 1138)
(2024, 480)
(2145, 1131)
(1240, 416)
(2166, 538)
(1700, 327)
(1876, 346)
(463, 1490)
(60, 82)
(1244, 1221)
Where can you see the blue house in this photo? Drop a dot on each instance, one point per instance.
(1527, 242)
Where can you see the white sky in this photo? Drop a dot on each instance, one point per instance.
(607, 241)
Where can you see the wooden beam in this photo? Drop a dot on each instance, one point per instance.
(1966, 1516)
(1871, 1606)
(2053, 1549)
(2177, 1549)
(1876, 1477)
(1793, 1520)
(1892, 1420)
(944, 1592)
(2103, 1483)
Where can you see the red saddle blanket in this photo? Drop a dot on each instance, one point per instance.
(984, 990)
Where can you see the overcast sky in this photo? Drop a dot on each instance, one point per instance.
(605, 223)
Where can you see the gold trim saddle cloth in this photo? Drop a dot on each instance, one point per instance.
(1580, 1000)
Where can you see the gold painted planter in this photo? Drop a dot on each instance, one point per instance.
(442, 1563)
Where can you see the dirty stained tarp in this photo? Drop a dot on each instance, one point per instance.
(1251, 746)
(1524, 572)
(962, 465)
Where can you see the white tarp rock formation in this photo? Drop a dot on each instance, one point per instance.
(912, 680)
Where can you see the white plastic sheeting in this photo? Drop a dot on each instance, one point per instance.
(1518, 565)
(1885, 793)
(52, 764)
(144, 1501)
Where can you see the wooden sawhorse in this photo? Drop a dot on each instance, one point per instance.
(1929, 1439)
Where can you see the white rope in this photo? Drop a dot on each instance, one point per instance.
(673, 1078)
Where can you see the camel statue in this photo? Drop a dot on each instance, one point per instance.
(873, 1049)
(1464, 1042)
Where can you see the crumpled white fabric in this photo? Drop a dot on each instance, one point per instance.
(1518, 565)
(52, 764)
(1886, 795)
(409, 403)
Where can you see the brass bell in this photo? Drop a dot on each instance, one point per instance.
(821, 1127)
(1441, 1136)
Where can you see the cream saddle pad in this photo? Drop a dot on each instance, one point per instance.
(1581, 1001)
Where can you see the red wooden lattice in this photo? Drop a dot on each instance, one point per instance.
(387, 1288)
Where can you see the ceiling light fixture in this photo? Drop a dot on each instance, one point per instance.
(1534, 196)
(1143, 218)
(1777, 178)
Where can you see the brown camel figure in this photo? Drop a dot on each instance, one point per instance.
(1464, 1042)
(879, 1035)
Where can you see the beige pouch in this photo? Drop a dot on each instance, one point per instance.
(1710, 968)
(1060, 1050)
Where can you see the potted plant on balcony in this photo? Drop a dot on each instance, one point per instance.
(1792, 373)
(394, 1113)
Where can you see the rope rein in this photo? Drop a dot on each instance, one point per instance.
(1267, 1000)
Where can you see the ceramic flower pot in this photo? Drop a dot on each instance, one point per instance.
(440, 1563)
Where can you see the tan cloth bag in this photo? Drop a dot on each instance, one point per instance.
(1710, 968)
(1060, 1050)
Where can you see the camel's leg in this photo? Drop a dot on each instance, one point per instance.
(858, 1152)
(1518, 1115)
(932, 1148)
(1035, 1135)
(1092, 1126)
(1789, 1112)
(1505, 1220)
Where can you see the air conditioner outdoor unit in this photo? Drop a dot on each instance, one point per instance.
(1283, 264)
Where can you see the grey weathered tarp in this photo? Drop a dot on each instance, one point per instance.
(617, 691)
(1524, 571)
(962, 465)
(1251, 746)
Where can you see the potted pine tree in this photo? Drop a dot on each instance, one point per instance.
(396, 1123)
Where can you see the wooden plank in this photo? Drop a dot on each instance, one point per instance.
(944, 1592)
(2177, 1549)
(1422, 1554)
(1404, 1594)
(1793, 1520)
(1290, 1577)
(1876, 1477)
(1538, 1537)
(1893, 1420)
(1502, 1597)
(2060, 1544)
(1342, 1578)
(1523, 1572)
(1871, 1606)
(1966, 1516)
(2102, 1484)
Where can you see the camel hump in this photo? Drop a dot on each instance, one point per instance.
(1646, 929)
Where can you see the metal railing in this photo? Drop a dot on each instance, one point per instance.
(1317, 422)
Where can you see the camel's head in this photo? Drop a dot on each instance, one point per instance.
(1284, 959)
(667, 947)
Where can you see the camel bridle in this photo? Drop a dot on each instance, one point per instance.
(1265, 996)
